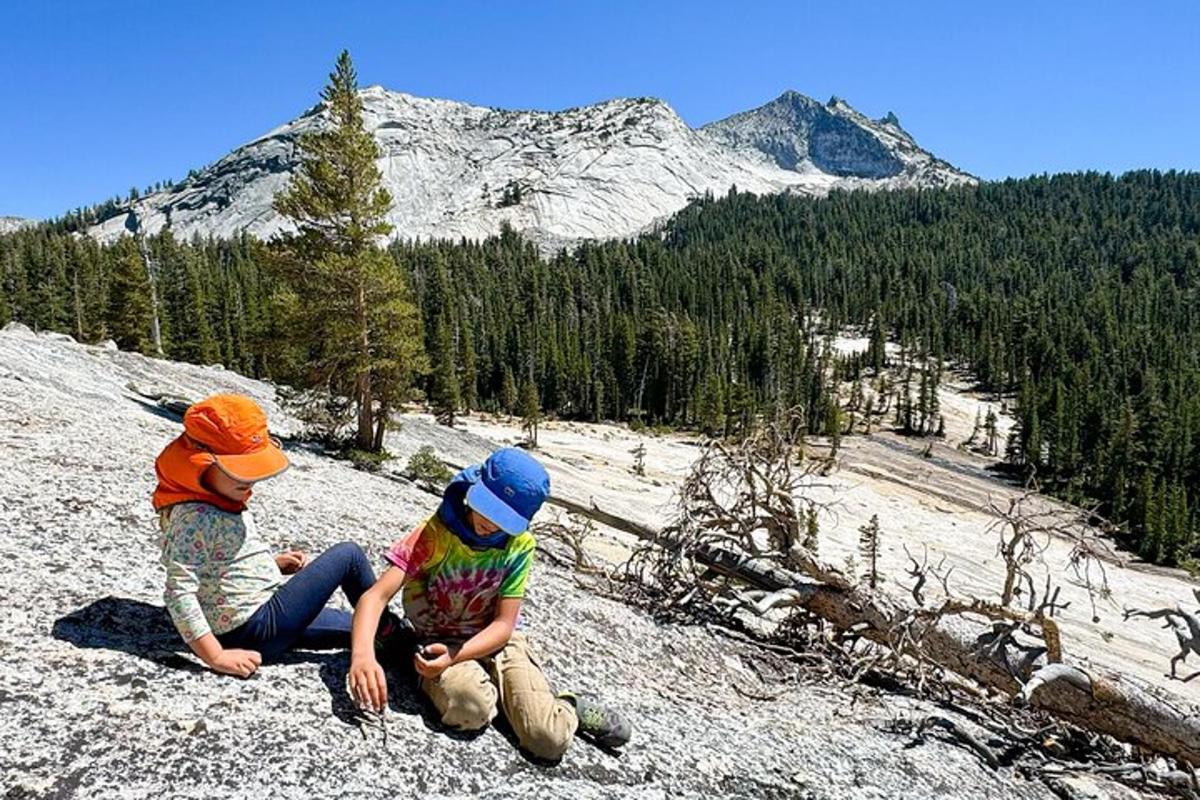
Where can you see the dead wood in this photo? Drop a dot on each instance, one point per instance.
(737, 548)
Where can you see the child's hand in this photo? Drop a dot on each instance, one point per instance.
(367, 683)
(291, 561)
(241, 663)
(435, 661)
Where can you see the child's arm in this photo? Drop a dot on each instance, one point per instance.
(487, 641)
(367, 682)
(499, 630)
(230, 661)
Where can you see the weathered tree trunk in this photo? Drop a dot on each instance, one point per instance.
(381, 420)
(366, 431)
(152, 279)
(1110, 704)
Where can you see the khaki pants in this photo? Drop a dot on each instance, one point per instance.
(466, 695)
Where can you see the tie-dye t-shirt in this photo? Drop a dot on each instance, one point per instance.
(450, 590)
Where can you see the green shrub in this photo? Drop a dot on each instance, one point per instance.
(365, 460)
(425, 468)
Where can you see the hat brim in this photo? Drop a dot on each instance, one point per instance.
(484, 501)
(257, 466)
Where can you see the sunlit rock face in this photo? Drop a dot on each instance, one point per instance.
(596, 172)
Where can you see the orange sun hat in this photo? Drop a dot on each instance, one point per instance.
(233, 429)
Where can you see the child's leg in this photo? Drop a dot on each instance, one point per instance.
(344, 565)
(283, 621)
(544, 723)
(464, 696)
(328, 631)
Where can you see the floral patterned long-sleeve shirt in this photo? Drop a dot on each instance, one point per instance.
(219, 571)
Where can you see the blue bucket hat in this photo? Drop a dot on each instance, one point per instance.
(510, 489)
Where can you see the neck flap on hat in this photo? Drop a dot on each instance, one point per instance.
(180, 468)
(453, 512)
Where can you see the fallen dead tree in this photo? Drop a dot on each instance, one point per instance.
(737, 547)
(953, 637)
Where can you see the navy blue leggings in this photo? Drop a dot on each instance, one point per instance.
(296, 615)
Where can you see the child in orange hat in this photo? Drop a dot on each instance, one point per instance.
(224, 589)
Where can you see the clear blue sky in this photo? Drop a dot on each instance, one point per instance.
(96, 97)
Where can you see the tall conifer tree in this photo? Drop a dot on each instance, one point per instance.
(354, 304)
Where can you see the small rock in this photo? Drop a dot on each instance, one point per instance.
(192, 727)
(108, 344)
(17, 327)
(120, 708)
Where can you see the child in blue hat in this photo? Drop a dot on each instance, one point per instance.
(463, 574)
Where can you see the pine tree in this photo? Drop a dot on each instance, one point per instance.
(976, 428)
(192, 336)
(469, 375)
(812, 531)
(508, 391)
(444, 389)
(1032, 445)
(709, 415)
(129, 311)
(991, 431)
(5, 306)
(868, 545)
(877, 345)
(639, 459)
(52, 292)
(355, 307)
(833, 425)
(531, 412)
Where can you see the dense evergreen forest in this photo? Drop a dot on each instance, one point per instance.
(1079, 295)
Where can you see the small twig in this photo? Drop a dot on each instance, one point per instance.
(962, 736)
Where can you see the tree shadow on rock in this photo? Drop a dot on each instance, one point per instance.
(127, 626)
(171, 411)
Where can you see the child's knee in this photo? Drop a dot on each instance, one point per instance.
(468, 705)
(543, 723)
(470, 711)
(348, 549)
(548, 737)
(350, 555)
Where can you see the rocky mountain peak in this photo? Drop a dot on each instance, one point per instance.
(607, 170)
(800, 134)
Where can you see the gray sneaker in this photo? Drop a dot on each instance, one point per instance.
(602, 725)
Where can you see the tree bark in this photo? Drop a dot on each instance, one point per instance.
(155, 328)
(1111, 703)
(366, 430)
